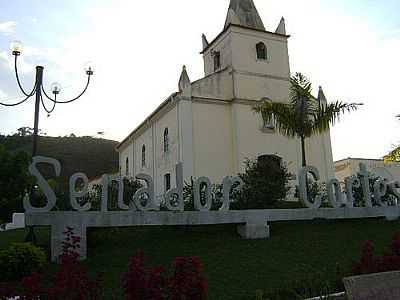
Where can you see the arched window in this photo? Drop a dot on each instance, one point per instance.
(271, 122)
(217, 60)
(167, 182)
(127, 166)
(261, 51)
(143, 156)
(166, 140)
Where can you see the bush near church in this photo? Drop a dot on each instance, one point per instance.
(265, 185)
(266, 182)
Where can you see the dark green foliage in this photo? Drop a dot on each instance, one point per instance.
(216, 194)
(92, 156)
(19, 260)
(359, 194)
(14, 182)
(131, 185)
(265, 183)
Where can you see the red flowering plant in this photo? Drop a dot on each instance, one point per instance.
(370, 263)
(32, 287)
(141, 283)
(72, 281)
(185, 283)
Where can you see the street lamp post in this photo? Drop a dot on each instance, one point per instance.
(39, 91)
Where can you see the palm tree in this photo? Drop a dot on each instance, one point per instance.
(394, 155)
(304, 115)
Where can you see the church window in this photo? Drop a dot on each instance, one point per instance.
(166, 140)
(261, 51)
(127, 166)
(167, 182)
(143, 156)
(217, 60)
(269, 124)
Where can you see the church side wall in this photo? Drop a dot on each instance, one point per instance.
(212, 141)
(165, 162)
(157, 163)
(127, 152)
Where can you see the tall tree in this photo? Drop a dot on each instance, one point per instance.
(14, 181)
(304, 115)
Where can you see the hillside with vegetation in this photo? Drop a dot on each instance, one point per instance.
(92, 156)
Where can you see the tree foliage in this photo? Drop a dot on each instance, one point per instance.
(304, 115)
(14, 181)
(266, 181)
(393, 156)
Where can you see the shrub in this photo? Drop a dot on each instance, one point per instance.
(19, 260)
(131, 186)
(71, 280)
(370, 263)
(216, 194)
(358, 193)
(185, 282)
(265, 183)
(141, 283)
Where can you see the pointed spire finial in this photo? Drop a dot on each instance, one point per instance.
(281, 29)
(184, 80)
(244, 13)
(205, 41)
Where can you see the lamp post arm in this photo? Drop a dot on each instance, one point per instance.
(19, 82)
(49, 111)
(69, 101)
(15, 104)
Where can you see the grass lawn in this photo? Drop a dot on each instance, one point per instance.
(235, 268)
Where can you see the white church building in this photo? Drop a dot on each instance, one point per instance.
(209, 125)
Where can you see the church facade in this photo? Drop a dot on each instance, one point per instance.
(209, 125)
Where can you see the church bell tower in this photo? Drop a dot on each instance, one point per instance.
(249, 50)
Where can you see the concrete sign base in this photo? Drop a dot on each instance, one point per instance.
(252, 224)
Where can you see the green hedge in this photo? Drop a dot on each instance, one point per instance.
(19, 260)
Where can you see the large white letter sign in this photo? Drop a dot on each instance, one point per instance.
(74, 194)
(104, 193)
(227, 184)
(335, 195)
(364, 181)
(197, 197)
(303, 187)
(380, 190)
(120, 181)
(350, 183)
(42, 183)
(176, 195)
(393, 188)
(145, 194)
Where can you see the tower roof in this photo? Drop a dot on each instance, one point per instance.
(244, 13)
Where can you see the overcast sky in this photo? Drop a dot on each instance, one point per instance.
(351, 48)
